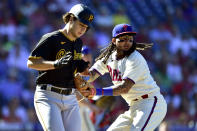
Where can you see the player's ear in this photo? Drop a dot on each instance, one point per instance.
(72, 18)
(113, 40)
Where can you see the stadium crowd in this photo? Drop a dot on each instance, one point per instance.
(170, 24)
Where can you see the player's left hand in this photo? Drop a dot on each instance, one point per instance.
(64, 61)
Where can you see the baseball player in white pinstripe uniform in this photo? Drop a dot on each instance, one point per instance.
(132, 80)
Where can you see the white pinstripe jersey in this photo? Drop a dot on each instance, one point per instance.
(134, 68)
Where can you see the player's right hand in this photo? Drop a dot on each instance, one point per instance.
(64, 61)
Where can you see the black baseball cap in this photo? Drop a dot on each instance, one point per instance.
(83, 13)
(121, 29)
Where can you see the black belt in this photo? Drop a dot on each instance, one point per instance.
(63, 91)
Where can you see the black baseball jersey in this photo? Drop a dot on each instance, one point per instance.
(51, 47)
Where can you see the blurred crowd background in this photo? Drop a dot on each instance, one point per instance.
(170, 24)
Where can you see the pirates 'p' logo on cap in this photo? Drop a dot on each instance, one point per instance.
(91, 17)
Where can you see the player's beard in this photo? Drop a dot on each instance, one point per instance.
(126, 53)
(131, 50)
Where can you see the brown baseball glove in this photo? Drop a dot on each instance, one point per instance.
(83, 86)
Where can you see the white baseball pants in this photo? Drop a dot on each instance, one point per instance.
(143, 115)
(57, 112)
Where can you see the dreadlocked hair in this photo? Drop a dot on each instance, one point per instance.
(106, 52)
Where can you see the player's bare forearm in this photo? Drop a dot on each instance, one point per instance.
(93, 75)
(122, 88)
(40, 64)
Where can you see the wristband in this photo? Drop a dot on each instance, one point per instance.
(108, 91)
(99, 91)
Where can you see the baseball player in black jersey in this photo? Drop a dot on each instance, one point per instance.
(57, 57)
